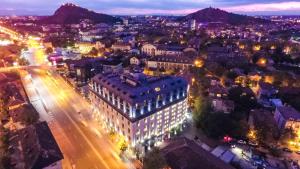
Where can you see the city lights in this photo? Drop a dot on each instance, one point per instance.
(120, 86)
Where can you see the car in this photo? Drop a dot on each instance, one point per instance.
(287, 150)
(233, 146)
(254, 144)
(242, 142)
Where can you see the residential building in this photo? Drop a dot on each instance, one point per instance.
(139, 106)
(287, 117)
(121, 47)
(217, 91)
(184, 153)
(84, 47)
(266, 90)
(157, 50)
(170, 62)
(34, 147)
(222, 105)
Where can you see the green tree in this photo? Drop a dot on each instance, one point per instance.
(201, 107)
(154, 160)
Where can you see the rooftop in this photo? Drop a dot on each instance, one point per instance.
(173, 59)
(35, 146)
(136, 87)
(289, 112)
(183, 153)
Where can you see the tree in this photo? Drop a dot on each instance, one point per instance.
(49, 50)
(217, 125)
(23, 62)
(3, 109)
(137, 152)
(154, 160)
(275, 152)
(243, 99)
(29, 115)
(201, 107)
(231, 75)
(123, 147)
(93, 52)
(5, 161)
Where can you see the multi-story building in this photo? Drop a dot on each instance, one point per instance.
(287, 117)
(171, 62)
(121, 46)
(157, 50)
(139, 106)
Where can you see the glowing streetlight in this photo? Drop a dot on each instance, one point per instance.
(198, 63)
(262, 61)
(256, 47)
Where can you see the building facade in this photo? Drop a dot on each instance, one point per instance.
(170, 62)
(287, 118)
(139, 107)
(157, 50)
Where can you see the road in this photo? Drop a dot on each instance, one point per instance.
(83, 143)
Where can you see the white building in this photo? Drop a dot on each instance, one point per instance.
(139, 107)
(155, 50)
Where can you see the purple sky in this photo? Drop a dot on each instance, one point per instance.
(133, 7)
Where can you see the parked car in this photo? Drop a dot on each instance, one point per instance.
(287, 150)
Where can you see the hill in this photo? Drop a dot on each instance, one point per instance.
(72, 14)
(218, 15)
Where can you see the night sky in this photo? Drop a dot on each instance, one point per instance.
(133, 7)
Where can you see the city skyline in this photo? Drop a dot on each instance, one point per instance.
(149, 84)
(158, 7)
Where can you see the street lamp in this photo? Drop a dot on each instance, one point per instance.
(198, 63)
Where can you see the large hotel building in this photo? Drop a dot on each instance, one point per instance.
(139, 106)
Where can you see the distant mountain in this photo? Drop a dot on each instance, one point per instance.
(218, 15)
(72, 14)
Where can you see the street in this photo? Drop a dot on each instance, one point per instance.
(83, 143)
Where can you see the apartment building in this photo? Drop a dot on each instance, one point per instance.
(138, 106)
